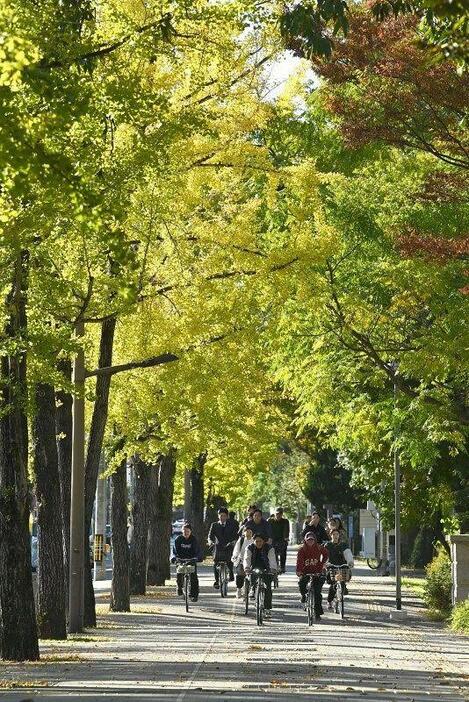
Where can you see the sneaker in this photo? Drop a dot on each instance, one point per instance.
(194, 599)
(239, 593)
(216, 585)
(329, 606)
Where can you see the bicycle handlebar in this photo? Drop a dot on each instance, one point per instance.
(185, 560)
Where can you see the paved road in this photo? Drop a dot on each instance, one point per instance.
(160, 653)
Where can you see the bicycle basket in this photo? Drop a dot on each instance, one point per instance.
(342, 575)
(185, 568)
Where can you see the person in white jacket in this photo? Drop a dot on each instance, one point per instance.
(261, 555)
(238, 558)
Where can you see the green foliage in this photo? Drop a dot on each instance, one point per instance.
(422, 551)
(437, 589)
(304, 26)
(460, 617)
(283, 483)
(355, 306)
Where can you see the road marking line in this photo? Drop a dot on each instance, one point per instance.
(198, 665)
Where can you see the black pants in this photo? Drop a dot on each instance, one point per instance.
(317, 587)
(240, 576)
(281, 552)
(194, 584)
(268, 587)
(220, 556)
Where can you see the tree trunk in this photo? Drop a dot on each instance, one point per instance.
(194, 496)
(120, 588)
(18, 630)
(63, 424)
(161, 519)
(95, 445)
(140, 515)
(51, 615)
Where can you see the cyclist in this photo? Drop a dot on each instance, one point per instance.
(238, 557)
(232, 518)
(222, 535)
(312, 558)
(259, 525)
(336, 523)
(317, 528)
(186, 546)
(280, 528)
(339, 554)
(248, 517)
(260, 555)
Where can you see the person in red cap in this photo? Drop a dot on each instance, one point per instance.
(312, 558)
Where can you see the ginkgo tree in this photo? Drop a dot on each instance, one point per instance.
(94, 99)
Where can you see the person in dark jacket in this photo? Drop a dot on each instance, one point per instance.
(260, 555)
(250, 511)
(223, 535)
(232, 518)
(259, 525)
(185, 547)
(339, 554)
(280, 529)
(316, 527)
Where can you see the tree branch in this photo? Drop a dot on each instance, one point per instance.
(104, 50)
(153, 361)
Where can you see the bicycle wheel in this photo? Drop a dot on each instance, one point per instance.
(374, 563)
(247, 587)
(222, 579)
(225, 580)
(341, 602)
(186, 591)
(310, 606)
(259, 604)
(336, 599)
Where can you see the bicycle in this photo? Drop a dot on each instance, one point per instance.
(186, 567)
(309, 604)
(339, 575)
(259, 594)
(223, 569)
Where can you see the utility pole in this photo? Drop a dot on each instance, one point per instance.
(397, 525)
(77, 508)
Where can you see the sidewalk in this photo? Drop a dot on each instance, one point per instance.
(157, 652)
